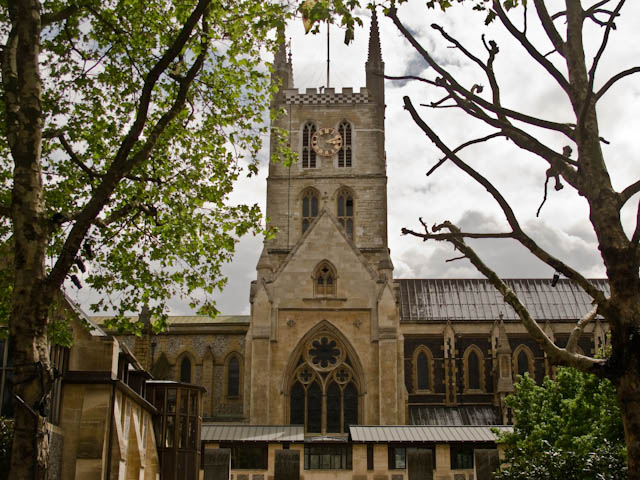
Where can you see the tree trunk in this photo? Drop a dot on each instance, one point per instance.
(628, 390)
(28, 323)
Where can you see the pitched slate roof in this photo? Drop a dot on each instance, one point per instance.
(438, 300)
(429, 433)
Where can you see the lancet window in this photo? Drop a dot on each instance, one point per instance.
(324, 393)
(185, 369)
(474, 369)
(309, 207)
(422, 369)
(523, 361)
(308, 153)
(345, 152)
(345, 211)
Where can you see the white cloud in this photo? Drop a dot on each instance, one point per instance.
(563, 225)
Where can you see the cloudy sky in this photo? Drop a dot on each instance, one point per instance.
(448, 194)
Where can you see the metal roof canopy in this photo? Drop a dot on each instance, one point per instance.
(425, 433)
(212, 432)
(438, 300)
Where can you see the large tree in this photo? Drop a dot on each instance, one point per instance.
(571, 151)
(125, 124)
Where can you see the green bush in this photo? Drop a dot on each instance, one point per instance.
(566, 429)
(6, 437)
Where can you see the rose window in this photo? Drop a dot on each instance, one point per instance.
(324, 353)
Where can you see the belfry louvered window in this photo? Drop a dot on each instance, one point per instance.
(345, 153)
(309, 207)
(345, 211)
(308, 153)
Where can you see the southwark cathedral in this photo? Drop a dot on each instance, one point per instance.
(341, 370)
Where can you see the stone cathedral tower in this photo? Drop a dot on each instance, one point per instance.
(324, 348)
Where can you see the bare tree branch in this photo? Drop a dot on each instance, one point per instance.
(556, 354)
(614, 79)
(453, 236)
(549, 27)
(629, 192)
(572, 343)
(479, 101)
(464, 145)
(528, 46)
(594, 66)
(518, 233)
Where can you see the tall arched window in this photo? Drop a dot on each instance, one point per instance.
(309, 207)
(474, 369)
(185, 370)
(345, 153)
(233, 377)
(308, 153)
(422, 369)
(324, 280)
(345, 211)
(324, 391)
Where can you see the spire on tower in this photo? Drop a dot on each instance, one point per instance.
(374, 67)
(375, 55)
(282, 68)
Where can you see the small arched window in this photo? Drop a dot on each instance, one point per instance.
(233, 377)
(308, 153)
(325, 279)
(345, 211)
(309, 207)
(345, 153)
(185, 370)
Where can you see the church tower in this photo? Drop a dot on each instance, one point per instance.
(324, 347)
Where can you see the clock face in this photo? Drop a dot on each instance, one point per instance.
(326, 141)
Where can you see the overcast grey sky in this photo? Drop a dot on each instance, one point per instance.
(448, 194)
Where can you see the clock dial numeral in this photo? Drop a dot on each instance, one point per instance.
(326, 141)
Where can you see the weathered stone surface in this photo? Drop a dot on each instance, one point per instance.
(287, 465)
(419, 464)
(217, 463)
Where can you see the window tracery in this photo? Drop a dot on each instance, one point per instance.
(345, 152)
(308, 153)
(324, 280)
(324, 390)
